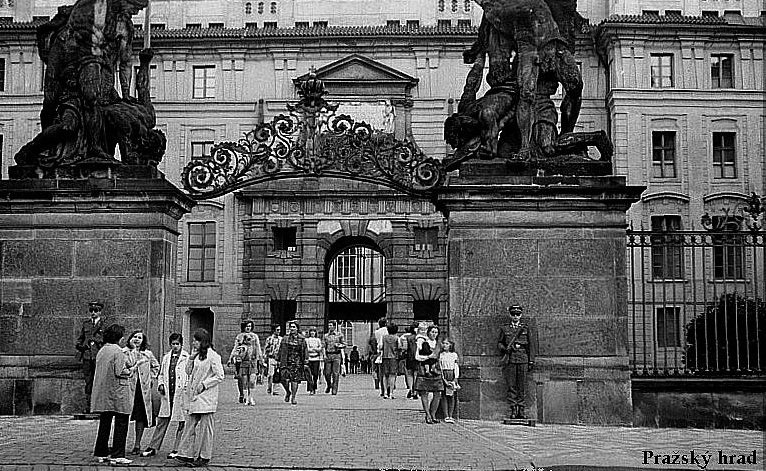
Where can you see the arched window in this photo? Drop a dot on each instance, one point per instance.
(273, 8)
(260, 8)
(248, 8)
(441, 5)
(467, 6)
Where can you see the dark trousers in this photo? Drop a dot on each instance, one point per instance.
(89, 369)
(120, 435)
(314, 367)
(516, 379)
(332, 371)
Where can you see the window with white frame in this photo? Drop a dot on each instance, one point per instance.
(204, 81)
(662, 70)
(152, 82)
(663, 154)
(722, 70)
(201, 149)
(201, 252)
(724, 155)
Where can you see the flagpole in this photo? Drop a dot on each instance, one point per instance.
(148, 26)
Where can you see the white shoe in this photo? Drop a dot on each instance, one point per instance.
(449, 420)
(120, 461)
(102, 459)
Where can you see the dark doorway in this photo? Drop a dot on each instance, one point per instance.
(426, 310)
(282, 311)
(201, 318)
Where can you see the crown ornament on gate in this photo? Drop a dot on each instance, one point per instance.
(313, 141)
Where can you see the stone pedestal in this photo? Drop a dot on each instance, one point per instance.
(556, 246)
(63, 243)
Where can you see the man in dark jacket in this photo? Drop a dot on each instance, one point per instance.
(518, 345)
(89, 342)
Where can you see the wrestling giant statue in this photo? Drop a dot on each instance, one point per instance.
(529, 48)
(84, 117)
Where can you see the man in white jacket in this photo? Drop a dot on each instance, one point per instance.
(170, 385)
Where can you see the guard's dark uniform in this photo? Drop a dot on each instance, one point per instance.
(518, 345)
(89, 342)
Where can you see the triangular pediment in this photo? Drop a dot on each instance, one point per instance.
(357, 74)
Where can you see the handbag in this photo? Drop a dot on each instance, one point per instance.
(277, 377)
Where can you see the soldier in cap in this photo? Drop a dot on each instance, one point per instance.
(89, 342)
(518, 345)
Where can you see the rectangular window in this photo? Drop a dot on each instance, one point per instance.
(667, 248)
(251, 25)
(728, 249)
(709, 14)
(724, 155)
(662, 70)
(444, 23)
(650, 12)
(413, 24)
(41, 18)
(269, 25)
(663, 154)
(722, 70)
(672, 12)
(284, 238)
(215, 25)
(668, 327)
(204, 81)
(201, 149)
(193, 25)
(152, 82)
(301, 24)
(6, 19)
(426, 238)
(426, 310)
(320, 24)
(2, 75)
(201, 260)
(463, 23)
(158, 26)
(393, 23)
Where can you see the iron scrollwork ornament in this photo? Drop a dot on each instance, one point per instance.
(313, 141)
(750, 214)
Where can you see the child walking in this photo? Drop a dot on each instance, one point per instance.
(450, 372)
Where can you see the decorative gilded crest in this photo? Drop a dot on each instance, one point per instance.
(313, 141)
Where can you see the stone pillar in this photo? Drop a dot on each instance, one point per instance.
(63, 243)
(555, 245)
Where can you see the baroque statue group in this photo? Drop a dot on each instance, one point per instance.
(85, 119)
(529, 45)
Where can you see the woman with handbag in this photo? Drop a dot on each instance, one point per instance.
(293, 358)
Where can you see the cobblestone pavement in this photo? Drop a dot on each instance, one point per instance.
(358, 430)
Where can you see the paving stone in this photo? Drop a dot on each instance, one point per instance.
(358, 430)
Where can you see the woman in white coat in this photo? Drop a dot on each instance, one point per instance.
(170, 385)
(205, 374)
(136, 350)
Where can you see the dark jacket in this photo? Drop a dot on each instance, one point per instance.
(518, 345)
(91, 339)
(283, 350)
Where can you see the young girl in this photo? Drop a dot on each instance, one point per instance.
(247, 363)
(451, 372)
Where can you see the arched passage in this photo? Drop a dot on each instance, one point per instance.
(355, 274)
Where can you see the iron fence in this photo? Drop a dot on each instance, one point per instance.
(696, 302)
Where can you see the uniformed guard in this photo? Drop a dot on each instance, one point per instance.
(89, 342)
(518, 345)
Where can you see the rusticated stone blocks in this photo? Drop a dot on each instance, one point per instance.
(64, 243)
(557, 247)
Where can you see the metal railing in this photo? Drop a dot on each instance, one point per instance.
(696, 302)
